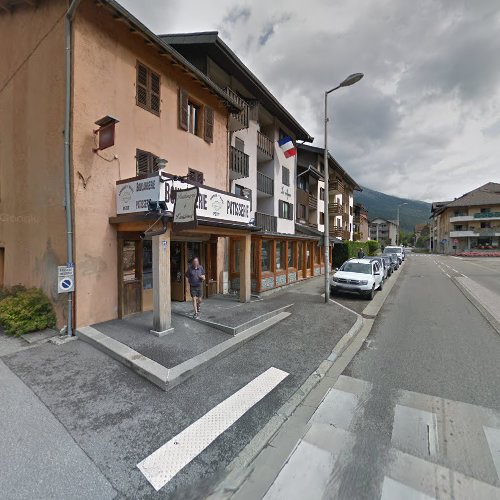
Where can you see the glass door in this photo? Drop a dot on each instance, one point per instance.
(130, 277)
(177, 270)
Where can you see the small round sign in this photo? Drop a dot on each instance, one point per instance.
(66, 284)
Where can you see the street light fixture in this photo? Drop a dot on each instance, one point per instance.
(398, 237)
(350, 80)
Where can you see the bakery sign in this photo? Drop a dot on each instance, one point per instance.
(134, 195)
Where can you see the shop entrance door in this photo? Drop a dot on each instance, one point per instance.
(177, 270)
(300, 260)
(130, 276)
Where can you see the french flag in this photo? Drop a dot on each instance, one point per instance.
(288, 147)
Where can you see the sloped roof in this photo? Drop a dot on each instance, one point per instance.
(331, 160)
(210, 43)
(489, 194)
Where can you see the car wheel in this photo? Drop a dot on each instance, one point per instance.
(381, 286)
(370, 294)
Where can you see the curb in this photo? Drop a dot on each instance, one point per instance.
(239, 469)
(483, 311)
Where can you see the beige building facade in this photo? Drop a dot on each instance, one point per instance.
(468, 223)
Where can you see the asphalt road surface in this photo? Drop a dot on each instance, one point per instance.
(416, 414)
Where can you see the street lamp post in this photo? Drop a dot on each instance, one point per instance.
(398, 237)
(350, 80)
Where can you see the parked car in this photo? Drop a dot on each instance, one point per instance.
(394, 260)
(396, 250)
(384, 266)
(360, 276)
(388, 263)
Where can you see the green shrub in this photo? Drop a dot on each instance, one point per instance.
(26, 311)
(373, 247)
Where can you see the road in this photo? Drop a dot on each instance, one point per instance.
(416, 413)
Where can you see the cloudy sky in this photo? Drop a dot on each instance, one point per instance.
(424, 123)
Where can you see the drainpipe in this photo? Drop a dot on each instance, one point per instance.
(67, 166)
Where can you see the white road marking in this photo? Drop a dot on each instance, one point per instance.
(394, 490)
(493, 438)
(163, 464)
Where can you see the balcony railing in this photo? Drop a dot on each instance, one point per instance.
(336, 231)
(265, 184)
(337, 186)
(335, 209)
(313, 202)
(239, 120)
(357, 219)
(265, 145)
(267, 223)
(238, 163)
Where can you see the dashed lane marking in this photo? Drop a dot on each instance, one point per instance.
(163, 464)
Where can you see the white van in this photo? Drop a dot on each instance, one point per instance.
(398, 251)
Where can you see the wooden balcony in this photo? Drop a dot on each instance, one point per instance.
(313, 202)
(337, 186)
(238, 164)
(265, 147)
(265, 184)
(267, 223)
(335, 209)
(336, 231)
(237, 121)
(357, 219)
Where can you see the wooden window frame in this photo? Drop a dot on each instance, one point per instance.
(151, 88)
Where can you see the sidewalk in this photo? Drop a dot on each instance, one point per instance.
(118, 418)
(39, 458)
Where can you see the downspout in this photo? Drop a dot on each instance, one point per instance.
(68, 18)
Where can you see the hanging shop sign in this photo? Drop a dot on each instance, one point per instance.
(134, 196)
(185, 208)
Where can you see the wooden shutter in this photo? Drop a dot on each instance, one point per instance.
(209, 124)
(195, 176)
(183, 109)
(280, 208)
(290, 212)
(142, 162)
(154, 95)
(142, 86)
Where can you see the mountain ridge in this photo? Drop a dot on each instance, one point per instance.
(385, 206)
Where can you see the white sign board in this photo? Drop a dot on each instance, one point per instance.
(65, 279)
(185, 208)
(135, 195)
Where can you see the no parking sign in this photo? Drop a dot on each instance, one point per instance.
(65, 279)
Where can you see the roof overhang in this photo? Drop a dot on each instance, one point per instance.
(222, 55)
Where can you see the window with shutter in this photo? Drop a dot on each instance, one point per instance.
(148, 86)
(209, 124)
(183, 109)
(195, 176)
(146, 162)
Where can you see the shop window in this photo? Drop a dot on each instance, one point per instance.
(308, 254)
(285, 176)
(321, 194)
(266, 255)
(280, 255)
(321, 217)
(145, 162)
(300, 257)
(291, 254)
(147, 89)
(237, 255)
(195, 176)
(147, 265)
(285, 210)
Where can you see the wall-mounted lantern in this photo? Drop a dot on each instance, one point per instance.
(105, 132)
